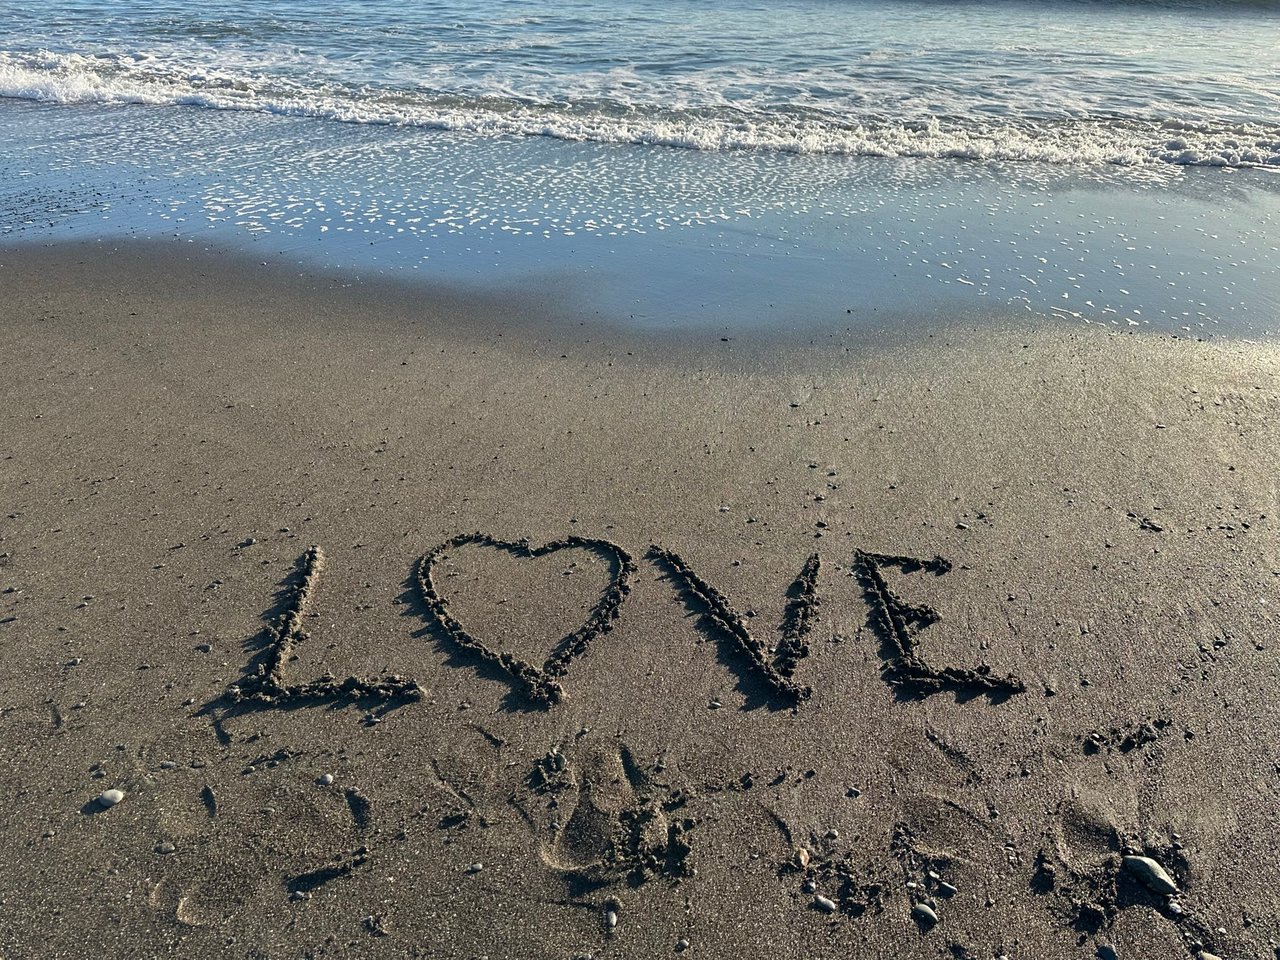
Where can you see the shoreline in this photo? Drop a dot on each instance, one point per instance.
(176, 435)
(530, 308)
(663, 238)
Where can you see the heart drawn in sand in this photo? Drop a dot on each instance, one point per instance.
(539, 684)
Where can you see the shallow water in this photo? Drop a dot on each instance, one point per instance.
(1118, 82)
(1109, 162)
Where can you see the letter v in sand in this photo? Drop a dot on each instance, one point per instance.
(776, 669)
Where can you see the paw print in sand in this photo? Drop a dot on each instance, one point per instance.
(601, 819)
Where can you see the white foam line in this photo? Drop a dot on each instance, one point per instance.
(73, 78)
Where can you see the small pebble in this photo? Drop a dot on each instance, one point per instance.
(1151, 874)
(825, 904)
(325, 779)
(682, 945)
(833, 834)
(164, 849)
(1206, 955)
(947, 889)
(109, 798)
(475, 868)
(611, 919)
(923, 914)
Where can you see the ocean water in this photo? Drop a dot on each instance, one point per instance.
(718, 161)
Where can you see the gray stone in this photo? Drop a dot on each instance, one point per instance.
(923, 914)
(1151, 874)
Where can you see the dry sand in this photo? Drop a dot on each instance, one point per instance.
(717, 748)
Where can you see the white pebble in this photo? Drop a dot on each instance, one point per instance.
(325, 779)
(109, 798)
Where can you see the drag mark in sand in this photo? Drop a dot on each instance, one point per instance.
(269, 686)
(539, 684)
(776, 672)
(305, 883)
(898, 623)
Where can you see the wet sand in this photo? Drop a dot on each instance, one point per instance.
(822, 646)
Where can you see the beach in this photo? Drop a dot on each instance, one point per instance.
(1036, 647)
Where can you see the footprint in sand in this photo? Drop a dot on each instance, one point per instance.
(602, 817)
(228, 841)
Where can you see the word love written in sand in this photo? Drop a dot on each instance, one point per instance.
(896, 622)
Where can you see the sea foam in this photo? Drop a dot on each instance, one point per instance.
(1083, 139)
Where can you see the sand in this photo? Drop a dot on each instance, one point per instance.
(766, 647)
